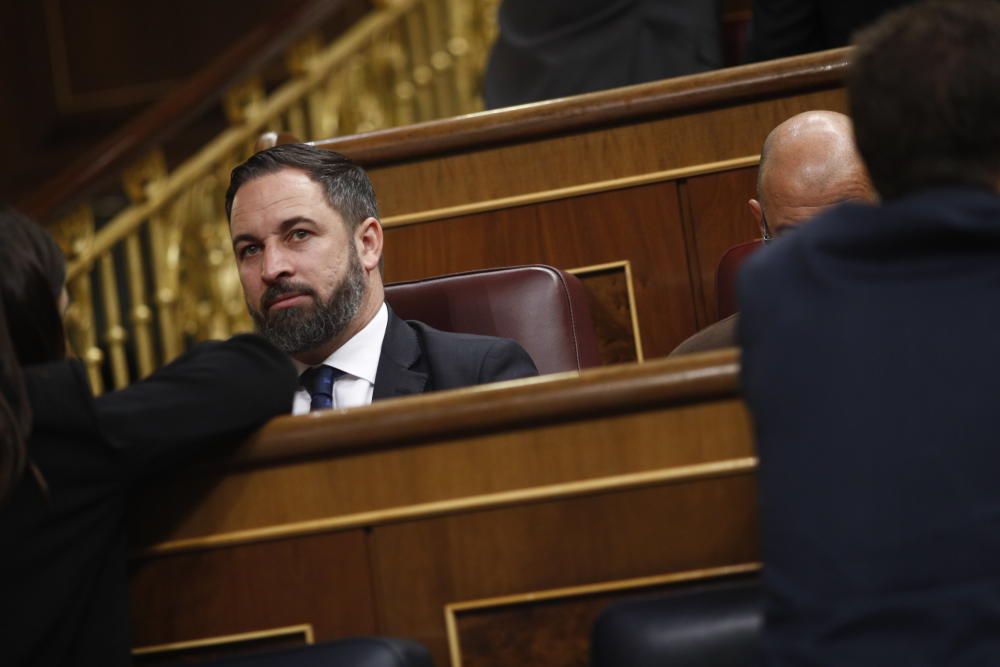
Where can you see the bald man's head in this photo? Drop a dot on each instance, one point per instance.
(808, 163)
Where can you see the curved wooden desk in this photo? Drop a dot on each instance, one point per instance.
(490, 523)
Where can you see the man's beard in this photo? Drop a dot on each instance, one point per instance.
(300, 329)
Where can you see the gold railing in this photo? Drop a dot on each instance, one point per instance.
(160, 274)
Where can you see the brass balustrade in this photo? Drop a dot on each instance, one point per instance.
(159, 275)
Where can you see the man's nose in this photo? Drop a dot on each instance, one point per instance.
(276, 265)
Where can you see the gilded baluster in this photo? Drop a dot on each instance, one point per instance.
(337, 110)
(403, 91)
(458, 46)
(380, 83)
(75, 233)
(141, 315)
(115, 335)
(243, 104)
(141, 181)
(214, 285)
(292, 121)
(244, 100)
(368, 110)
(484, 30)
(299, 60)
(437, 27)
(419, 56)
(228, 294)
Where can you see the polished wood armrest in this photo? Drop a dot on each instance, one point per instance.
(501, 406)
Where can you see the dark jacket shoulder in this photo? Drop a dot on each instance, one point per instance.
(715, 336)
(418, 358)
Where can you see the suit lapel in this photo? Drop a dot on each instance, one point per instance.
(399, 370)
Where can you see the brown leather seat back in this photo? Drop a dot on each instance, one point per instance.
(542, 308)
(725, 275)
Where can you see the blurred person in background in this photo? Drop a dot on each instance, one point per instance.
(69, 461)
(558, 48)
(781, 28)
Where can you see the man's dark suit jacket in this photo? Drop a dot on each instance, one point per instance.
(417, 358)
(63, 593)
(716, 336)
(782, 28)
(871, 368)
(557, 48)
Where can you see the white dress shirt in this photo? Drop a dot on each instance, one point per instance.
(358, 358)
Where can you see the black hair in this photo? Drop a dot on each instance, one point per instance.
(346, 185)
(924, 91)
(31, 330)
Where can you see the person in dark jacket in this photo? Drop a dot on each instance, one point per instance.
(69, 461)
(870, 366)
(808, 163)
(568, 47)
(782, 28)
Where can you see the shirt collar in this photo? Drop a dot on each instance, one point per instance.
(360, 354)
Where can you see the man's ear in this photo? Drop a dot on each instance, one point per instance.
(758, 215)
(368, 237)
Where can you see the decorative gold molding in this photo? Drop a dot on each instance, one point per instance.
(306, 630)
(571, 191)
(630, 290)
(671, 475)
(452, 609)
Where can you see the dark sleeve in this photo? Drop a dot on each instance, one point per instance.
(717, 336)
(212, 396)
(781, 28)
(506, 360)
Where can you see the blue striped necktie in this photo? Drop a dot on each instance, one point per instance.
(318, 381)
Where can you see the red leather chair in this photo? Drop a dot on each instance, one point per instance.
(725, 275)
(544, 309)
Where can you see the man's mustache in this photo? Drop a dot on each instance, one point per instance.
(282, 289)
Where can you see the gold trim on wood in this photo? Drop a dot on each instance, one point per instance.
(306, 630)
(452, 609)
(671, 475)
(571, 191)
(630, 290)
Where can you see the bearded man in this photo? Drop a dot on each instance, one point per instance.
(308, 245)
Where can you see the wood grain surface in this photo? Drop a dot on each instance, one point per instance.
(376, 519)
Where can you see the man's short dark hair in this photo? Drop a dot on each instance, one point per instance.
(924, 90)
(346, 186)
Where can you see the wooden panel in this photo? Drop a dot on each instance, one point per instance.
(215, 648)
(598, 155)
(611, 295)
(647, 532)
(318, 580)
(337, 489)
(640, 224)
(784, 78)
(551, 631)
(377, 519)
(720, 219)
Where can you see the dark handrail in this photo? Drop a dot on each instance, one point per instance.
(166, 118)
(549, 399)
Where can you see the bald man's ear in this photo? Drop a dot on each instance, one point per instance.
(758, 215)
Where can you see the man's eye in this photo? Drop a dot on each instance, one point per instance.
(299, 234)
(249, 250)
